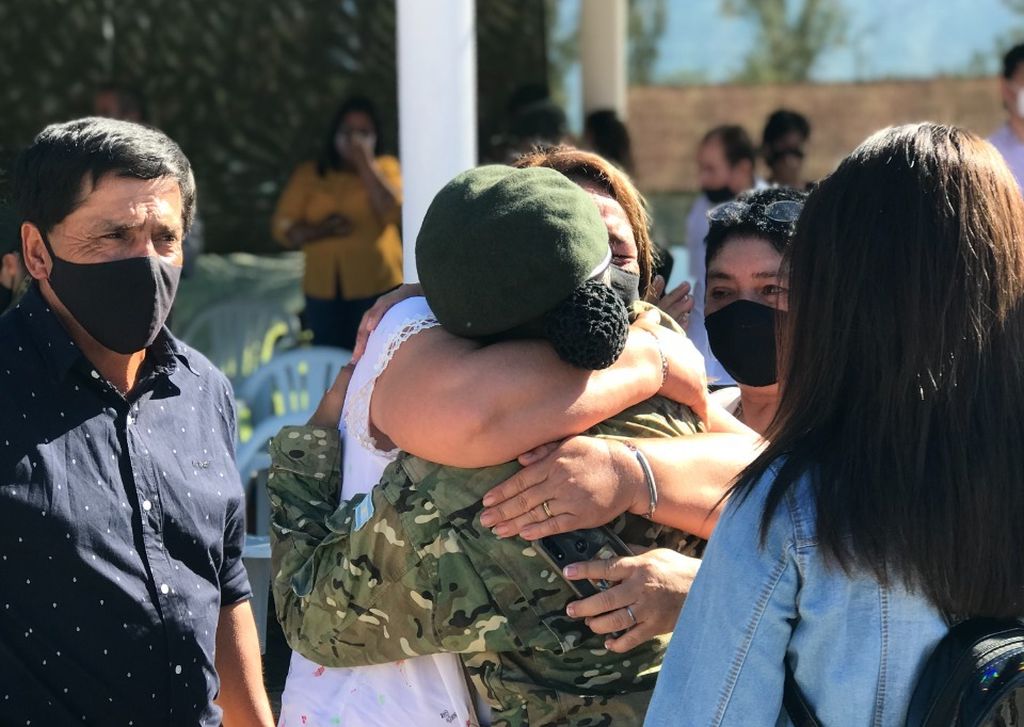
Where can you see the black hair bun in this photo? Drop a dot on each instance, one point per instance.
(589, 328)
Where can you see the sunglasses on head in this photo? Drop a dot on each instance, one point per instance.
(785, 210)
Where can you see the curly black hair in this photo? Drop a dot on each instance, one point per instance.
(753, 222)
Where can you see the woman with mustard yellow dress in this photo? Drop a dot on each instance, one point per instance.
(343, 211)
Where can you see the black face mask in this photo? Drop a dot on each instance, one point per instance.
(718, 195)
(626, 285)
(123, 303)
(742, 337)
(6, 296)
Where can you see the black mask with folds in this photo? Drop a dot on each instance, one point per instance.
(742, 337)
(123, 304)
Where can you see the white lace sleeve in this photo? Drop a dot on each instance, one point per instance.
(401, 323)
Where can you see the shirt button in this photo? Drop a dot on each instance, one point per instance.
(177, 669)
(164, 589)
(147, 505)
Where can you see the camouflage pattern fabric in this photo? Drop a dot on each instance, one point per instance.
(408, 570)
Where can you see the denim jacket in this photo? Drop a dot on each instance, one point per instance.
(856, 647)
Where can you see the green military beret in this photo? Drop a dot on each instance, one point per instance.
(501, 247)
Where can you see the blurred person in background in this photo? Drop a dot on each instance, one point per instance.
(782, 145)
(13, 276)
(1009, 138)
(725, 167)
(343, 211)
(605, 134)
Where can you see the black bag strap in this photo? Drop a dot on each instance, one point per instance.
(794, 702)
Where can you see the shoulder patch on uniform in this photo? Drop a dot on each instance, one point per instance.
(363, 511)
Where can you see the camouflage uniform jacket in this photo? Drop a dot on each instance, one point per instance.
(408, 570)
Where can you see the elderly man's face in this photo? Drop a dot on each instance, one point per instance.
(123, 217)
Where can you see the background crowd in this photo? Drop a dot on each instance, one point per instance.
(767, 381)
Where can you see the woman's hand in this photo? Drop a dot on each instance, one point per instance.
(652, 585)
(678, 303)
(585, 481)
(328, 412)
(686, 380)
(372, 318)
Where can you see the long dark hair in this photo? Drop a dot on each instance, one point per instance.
(329, 156)
(902, 369)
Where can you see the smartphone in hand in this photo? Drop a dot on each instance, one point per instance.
(578, 546)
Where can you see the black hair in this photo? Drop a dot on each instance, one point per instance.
(899, 362)
(49, 174)
(1013, 58)
(541, 123)
(782, 122)
(753, 222)
(736, 142)
(610, 137)
(329, 156)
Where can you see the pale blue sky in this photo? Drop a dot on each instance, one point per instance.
(888, 39)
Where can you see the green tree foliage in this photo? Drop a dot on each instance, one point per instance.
(646, 28)
(247, 87)
(788, 43)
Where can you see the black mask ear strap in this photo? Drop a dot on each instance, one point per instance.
(46, 243)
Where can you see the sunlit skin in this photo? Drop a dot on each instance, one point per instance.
(1009, 88)
(714, 171)
(117, 219)
(621, 239)
(11, 271)
(747, 268)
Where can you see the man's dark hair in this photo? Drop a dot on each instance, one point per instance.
(50, 174)
(736, 142)
(330, 158)
(1013, 58)
(782, 122)
(754, 222)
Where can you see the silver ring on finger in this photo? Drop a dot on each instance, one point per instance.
(547, 510)
(632, 616)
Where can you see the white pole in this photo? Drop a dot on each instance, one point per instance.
(603, 26)
(436, 105)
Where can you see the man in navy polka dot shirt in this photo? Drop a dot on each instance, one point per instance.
(123, 596)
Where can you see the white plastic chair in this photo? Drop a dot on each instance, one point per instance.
(240, 335)
(291, 382)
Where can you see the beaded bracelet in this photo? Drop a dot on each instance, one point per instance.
(652, 487)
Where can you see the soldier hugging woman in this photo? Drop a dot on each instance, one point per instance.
(408, 569)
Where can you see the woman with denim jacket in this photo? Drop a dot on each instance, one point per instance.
(889, 501)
